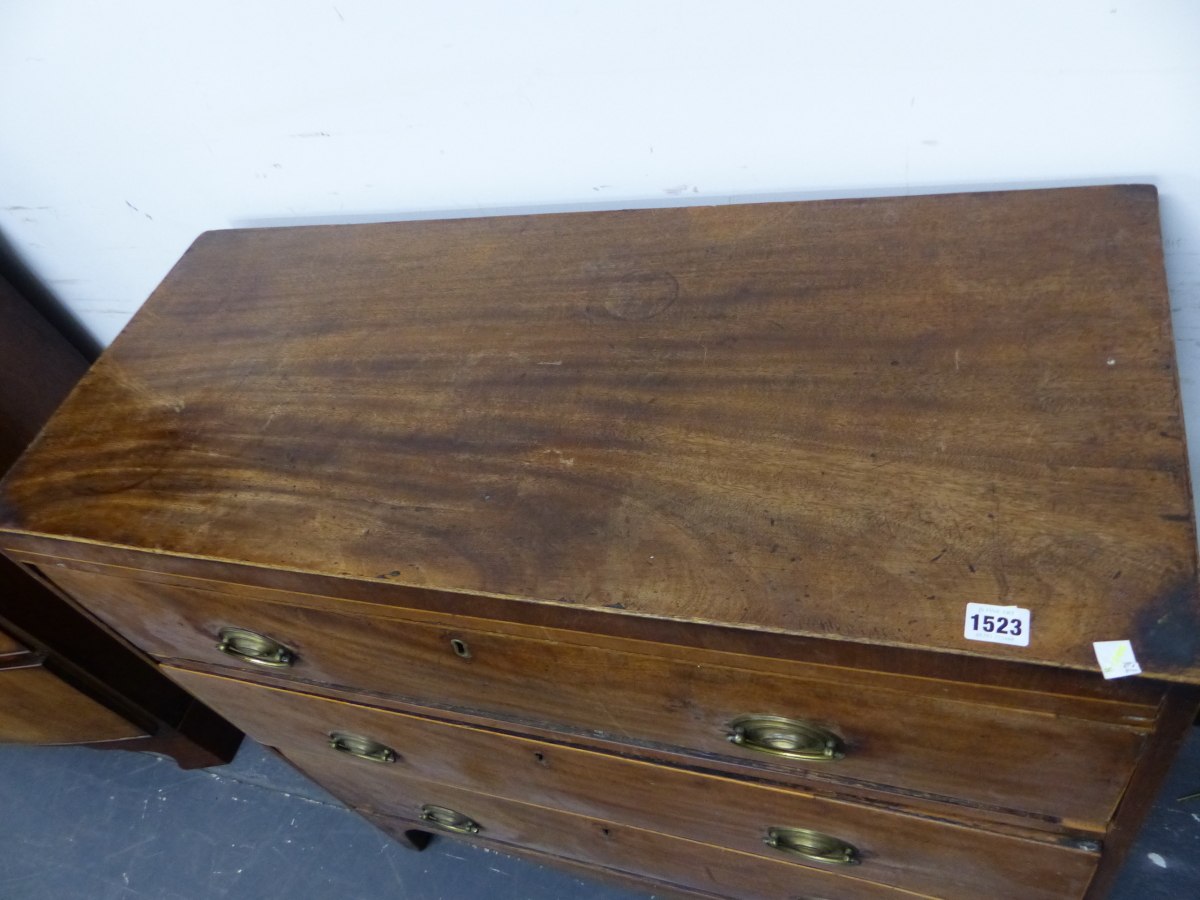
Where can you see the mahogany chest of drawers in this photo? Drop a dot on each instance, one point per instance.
(642, 542)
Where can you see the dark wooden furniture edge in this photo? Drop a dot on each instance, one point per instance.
(17, 280)
(89, 657)
(200, 740)
(50, 621)
(1175, 718)
(40, 369)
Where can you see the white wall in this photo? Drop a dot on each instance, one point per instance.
(128, 127)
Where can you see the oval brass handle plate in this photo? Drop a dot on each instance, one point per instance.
(812, 845)
(361, 747)
(778, 736)
(255, 648)
(449, 820)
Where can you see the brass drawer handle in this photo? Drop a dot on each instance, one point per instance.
(812, 845)
(785, 737)
(254, 648)
(361, 748)
(449, 820)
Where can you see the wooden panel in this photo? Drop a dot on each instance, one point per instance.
(9, 646)
(921, 743)
(551, 838)
(843, 418)
(37, 707)
(905, 851)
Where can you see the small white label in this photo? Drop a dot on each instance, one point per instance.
(998, 624)
(1116, 659)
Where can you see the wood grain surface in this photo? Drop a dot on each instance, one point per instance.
(839, 418)
(916, 736)
(38, 707)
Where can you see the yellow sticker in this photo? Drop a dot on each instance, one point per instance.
(1116, 659)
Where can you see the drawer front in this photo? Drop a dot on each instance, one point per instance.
(552, 835)
(37, 707)
(628, 849)
(906, 851)
(993, 757)
(549, 836)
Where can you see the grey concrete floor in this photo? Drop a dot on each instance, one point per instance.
(79, 824)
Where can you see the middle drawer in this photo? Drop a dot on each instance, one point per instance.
(912, 852)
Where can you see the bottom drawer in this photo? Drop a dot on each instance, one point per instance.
(37, 707)
(416, 835)
(632, 851)
(899, 850)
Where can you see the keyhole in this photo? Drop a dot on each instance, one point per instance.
(461, 648)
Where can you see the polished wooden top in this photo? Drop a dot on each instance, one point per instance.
(839, 418)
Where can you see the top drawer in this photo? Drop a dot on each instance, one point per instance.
(896, 733)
